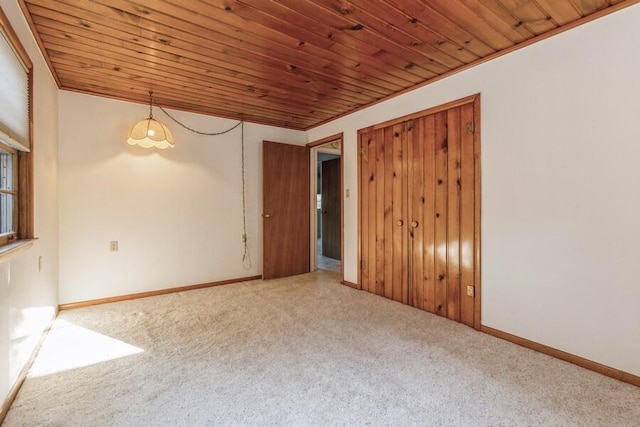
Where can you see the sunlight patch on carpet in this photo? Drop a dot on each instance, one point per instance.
(69, 346)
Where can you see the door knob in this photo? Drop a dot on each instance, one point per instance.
(414, 224)
(266, 215)
(399, 222)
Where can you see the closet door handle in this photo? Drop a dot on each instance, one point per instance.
(399, 222)
(414, 224)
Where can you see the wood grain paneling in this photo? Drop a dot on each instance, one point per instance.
(289, 63)
(467, 218)
(391, 244)
(400, 250)
(371, 212)
(416, 192)
(428, 254)
(440, 212)
(363, 210)
(428, 136)
(454, 127)
(379, 213)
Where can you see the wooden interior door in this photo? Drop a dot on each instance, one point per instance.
(285, 189)
(419, 211)
(383, 208)
(330, 208)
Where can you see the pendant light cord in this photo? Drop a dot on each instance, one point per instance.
(197, 131)
(246, 256)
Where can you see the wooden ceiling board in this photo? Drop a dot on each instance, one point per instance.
(259, 61)
(381, 17)
(328, 19)
(236, 75)
(278, 47)
(287, 63)
(497, 16)
(589, 6)
(460, 16)
(561, 13)
(531, 15)
(310, 32)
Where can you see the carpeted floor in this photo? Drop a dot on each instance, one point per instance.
(326, 263)
(330, 264)
(301, 351)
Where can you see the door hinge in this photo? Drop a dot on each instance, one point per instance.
(410, 125)
(362, 151)
(362, 264)
(471, 127)
(471, 291)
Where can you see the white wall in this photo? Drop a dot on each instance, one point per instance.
(177, 213)
(560, 187)
(28, 298)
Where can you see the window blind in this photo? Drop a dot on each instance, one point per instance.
(14, 98)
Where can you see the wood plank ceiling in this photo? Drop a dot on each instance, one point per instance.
(288, 63)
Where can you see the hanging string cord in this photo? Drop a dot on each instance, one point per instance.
(246, 258)
(197, 131)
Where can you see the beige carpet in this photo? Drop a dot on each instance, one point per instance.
(326, 263)
(303, 351)
(330, 264)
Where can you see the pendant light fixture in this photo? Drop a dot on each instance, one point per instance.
(149, 132)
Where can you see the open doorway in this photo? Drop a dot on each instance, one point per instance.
(326, 211)
(328, 253)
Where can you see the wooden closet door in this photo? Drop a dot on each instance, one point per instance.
(419, 213)
(469, 219)
(383, 205)
(416, 216)
(452, 273)
(399, 204)
(443, 250)
(439, 213)
(426, 133)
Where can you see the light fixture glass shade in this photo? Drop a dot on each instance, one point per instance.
(149, 133)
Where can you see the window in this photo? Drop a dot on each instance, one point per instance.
(16, 163)
(8, 193)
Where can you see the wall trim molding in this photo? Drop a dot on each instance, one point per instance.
(25, 370)
(331, 138)
(567, 357)
(350, 284)
(128, 297)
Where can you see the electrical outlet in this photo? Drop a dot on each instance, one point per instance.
(347, 193)
(114, 246)
(470, 291)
